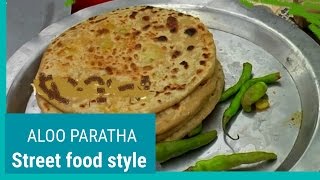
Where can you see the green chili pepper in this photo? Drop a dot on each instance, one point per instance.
(227, 162)
(171, 149)
(195, 131)
(245, 76)
(252, 95)
(236, 102)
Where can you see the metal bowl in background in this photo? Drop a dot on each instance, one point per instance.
(289, 128)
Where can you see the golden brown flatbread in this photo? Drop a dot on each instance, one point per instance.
(138, 59)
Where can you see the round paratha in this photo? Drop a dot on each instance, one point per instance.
(138, 59)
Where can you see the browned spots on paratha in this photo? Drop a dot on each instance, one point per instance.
(205, 55)
(172, 24)
(203, 63)
(158, 27)
(176, 54)
(109, 70)
(184, 64)
(146, 27)
(92, 18)
(101, 99)
(79, 89)
(91, 49)
(146, 18)
(59, 44)
(175, 70)
(53, 92)
(190, 31)
(161, 39)
(137, 47)
(136, 33)
(201, 27)
(145, 82)
(147, 68)
(133, 15)
(146, 8)
(204, 82)
(134, 67)
(73, 28)
(126, 87)
(190, 48)
(101, 90)
(102, 31)
(102, 19)
(94, 78)
(199, 71)
(72, 81)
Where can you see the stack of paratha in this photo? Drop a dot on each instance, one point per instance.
(139, 59)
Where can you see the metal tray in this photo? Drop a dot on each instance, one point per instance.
(289, 128)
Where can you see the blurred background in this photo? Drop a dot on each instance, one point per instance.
(26, 18)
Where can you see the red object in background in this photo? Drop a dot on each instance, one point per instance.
(81, 4)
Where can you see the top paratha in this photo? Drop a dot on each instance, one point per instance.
(138, 59)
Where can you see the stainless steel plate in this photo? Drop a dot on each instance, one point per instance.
(289, 128)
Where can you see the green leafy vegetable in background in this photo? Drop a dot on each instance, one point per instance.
(69, 3)
(305, 9)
